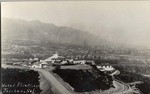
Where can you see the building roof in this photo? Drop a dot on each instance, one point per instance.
(55, 56)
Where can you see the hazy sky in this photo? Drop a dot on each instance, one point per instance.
(126, 22)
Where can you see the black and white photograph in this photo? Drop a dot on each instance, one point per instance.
(75, 47)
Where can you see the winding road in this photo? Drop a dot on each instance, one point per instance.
(120, 88)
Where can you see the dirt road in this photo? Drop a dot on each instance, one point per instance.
(120, 88)
(53, 81)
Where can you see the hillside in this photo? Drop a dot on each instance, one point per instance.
(85, 80)
(36, 30)
(20, 81)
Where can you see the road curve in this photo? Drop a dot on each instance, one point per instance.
(120, 88)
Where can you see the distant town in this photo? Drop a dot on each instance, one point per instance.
(109, 70)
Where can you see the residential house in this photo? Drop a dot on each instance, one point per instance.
(105, 67)
(55, 59)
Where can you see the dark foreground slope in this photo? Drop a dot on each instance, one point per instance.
(85, 80)
(20, 81)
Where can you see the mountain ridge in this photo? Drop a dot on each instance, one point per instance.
(37, 30)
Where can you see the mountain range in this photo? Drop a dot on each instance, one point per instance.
(39, 31)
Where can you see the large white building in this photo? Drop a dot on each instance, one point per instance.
(39, 64)
(55, 59)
